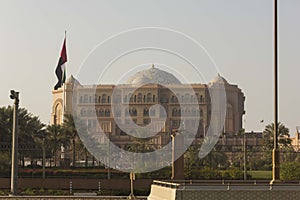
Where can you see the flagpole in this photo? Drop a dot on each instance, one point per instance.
(64, 91)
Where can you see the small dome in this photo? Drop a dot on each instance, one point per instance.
(219, 79)
(153, 75)
(71, 79)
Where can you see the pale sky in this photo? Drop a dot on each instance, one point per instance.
(238, 35)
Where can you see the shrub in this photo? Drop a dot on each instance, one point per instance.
(28, 191)
(290, 171)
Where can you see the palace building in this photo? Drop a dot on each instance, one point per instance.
(95, 105)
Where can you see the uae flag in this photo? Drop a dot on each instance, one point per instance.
(61, 67)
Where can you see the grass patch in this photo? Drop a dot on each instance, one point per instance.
(262, 175)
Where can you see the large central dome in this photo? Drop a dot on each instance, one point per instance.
(153, 75)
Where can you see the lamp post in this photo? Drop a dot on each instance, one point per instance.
(108, 169)
(43, 135)
(245, 156)
(275, 153)
(173, 134)
(177, 145)
(131, 195)
(14, 155)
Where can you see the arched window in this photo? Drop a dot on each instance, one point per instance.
(187, 112)
(108, 99)
(99, 99)
(153, 98)
(186, 97)
(152, 112)
(86, 97)
(173, 99)
(193, 111)
(197, 97)
(149, 97)
(192, 98)
(164, 99)
(118, 113)
(201, 113)
(81, 99)
(146, 112)
(103, 98)
(229, 122)
(133, 112)
(131, 98)
(107, 113)
(117, 98)
(140, 96)
(176, 112)
(101, 113)
(82, 111)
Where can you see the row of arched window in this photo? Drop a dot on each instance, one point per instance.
(141, 98)
(187, 98)
(100, 112)
(146, 112)
(186, 112)
(106, 112)
(97, 99)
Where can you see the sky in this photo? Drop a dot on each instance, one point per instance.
(236, 34)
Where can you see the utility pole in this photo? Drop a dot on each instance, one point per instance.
(275, 153)
(14, 155)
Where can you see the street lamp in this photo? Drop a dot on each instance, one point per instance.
(177, 145)
(173, 134)
(275, 153)
(14, 156)
(131, 195)
(245, 156)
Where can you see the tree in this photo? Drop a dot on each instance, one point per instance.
(72, 134)
(55, 138)
(284, 143)
(29, 125)
(290, 171)
(284, 140)
(6, 124)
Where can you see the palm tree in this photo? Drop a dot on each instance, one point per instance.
(6, 124)
(55, 138)
(29, 125)
(284, 140)
(72, 134)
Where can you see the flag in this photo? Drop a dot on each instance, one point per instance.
(60, 70)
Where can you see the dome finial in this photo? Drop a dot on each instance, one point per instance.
(152, 65)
